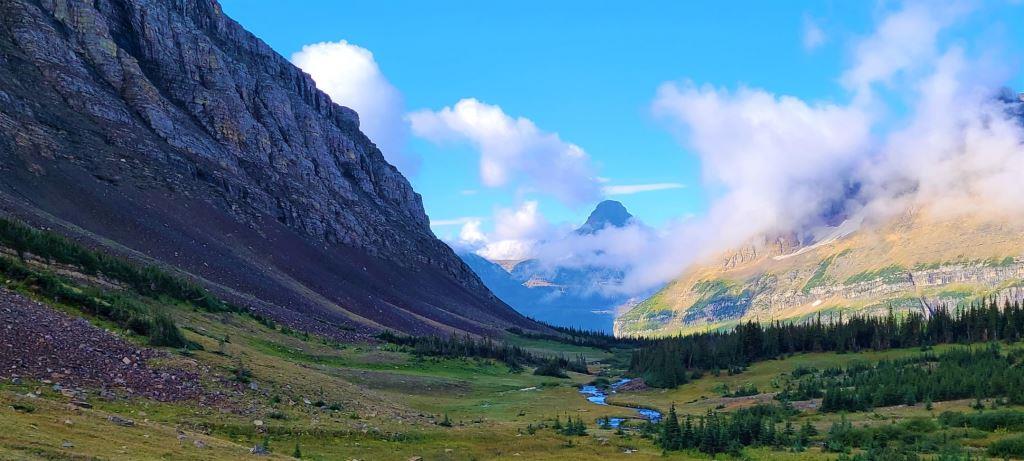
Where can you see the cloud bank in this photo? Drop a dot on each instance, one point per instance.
(779, 164)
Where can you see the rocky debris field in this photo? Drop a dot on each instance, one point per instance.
(39, 342)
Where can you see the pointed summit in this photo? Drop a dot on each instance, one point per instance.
(607, 213)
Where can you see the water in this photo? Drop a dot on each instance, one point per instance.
(599, 397)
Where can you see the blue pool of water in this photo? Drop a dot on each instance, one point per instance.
(599, 397)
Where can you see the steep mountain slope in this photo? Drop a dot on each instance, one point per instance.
(165, 131)
(608, 213)
(916, 261)
(559, 295)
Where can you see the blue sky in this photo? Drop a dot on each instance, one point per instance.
(589, 72)
(585, 71)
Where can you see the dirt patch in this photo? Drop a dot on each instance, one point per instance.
(807, 405)
(741, 402)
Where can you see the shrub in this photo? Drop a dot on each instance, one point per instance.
(1008, 447)
(23, 408)
(165, 333)
(550, 368)
(276, 414)
(241, 373)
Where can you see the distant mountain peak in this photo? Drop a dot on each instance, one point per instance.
(608, 213)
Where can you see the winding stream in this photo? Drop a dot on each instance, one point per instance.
(599, 397)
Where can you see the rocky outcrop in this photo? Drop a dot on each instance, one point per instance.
(40, 343)
(164, 130)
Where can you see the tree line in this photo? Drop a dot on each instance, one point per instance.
(582, 337)
(714, 432)
(148, 281)
(466, 346)
(961, 373)
(670, 362)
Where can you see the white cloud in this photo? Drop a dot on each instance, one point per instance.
(516, 233)
(471, 234)
(777, 158)
(814, 36)
(512, 150)
(454, 221)
(637, 188)
(903, 41)
(351, 77)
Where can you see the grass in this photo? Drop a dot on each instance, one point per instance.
(820, 276)
(374, 398)
(889, 274)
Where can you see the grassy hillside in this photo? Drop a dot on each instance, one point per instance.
(910, 261)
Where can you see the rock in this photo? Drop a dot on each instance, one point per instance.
(68, 422)
(416, 458)
(259, 450)
(126, 361)
(257, 423)
(53, 340)
(199, 443)
(67, 444)
(132, 112)
(635, 384)
(121, 421)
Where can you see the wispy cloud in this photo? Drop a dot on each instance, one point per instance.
(814, 36)
(637, 188)
(455, 221)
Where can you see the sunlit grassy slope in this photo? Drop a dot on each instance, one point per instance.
(920, 257)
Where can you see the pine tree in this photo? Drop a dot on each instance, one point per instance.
(671, 434)
(688, 438)
(788, 434)
(806, 432)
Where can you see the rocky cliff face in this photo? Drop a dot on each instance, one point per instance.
(914, 262)
(608, 213)
(164, 130)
